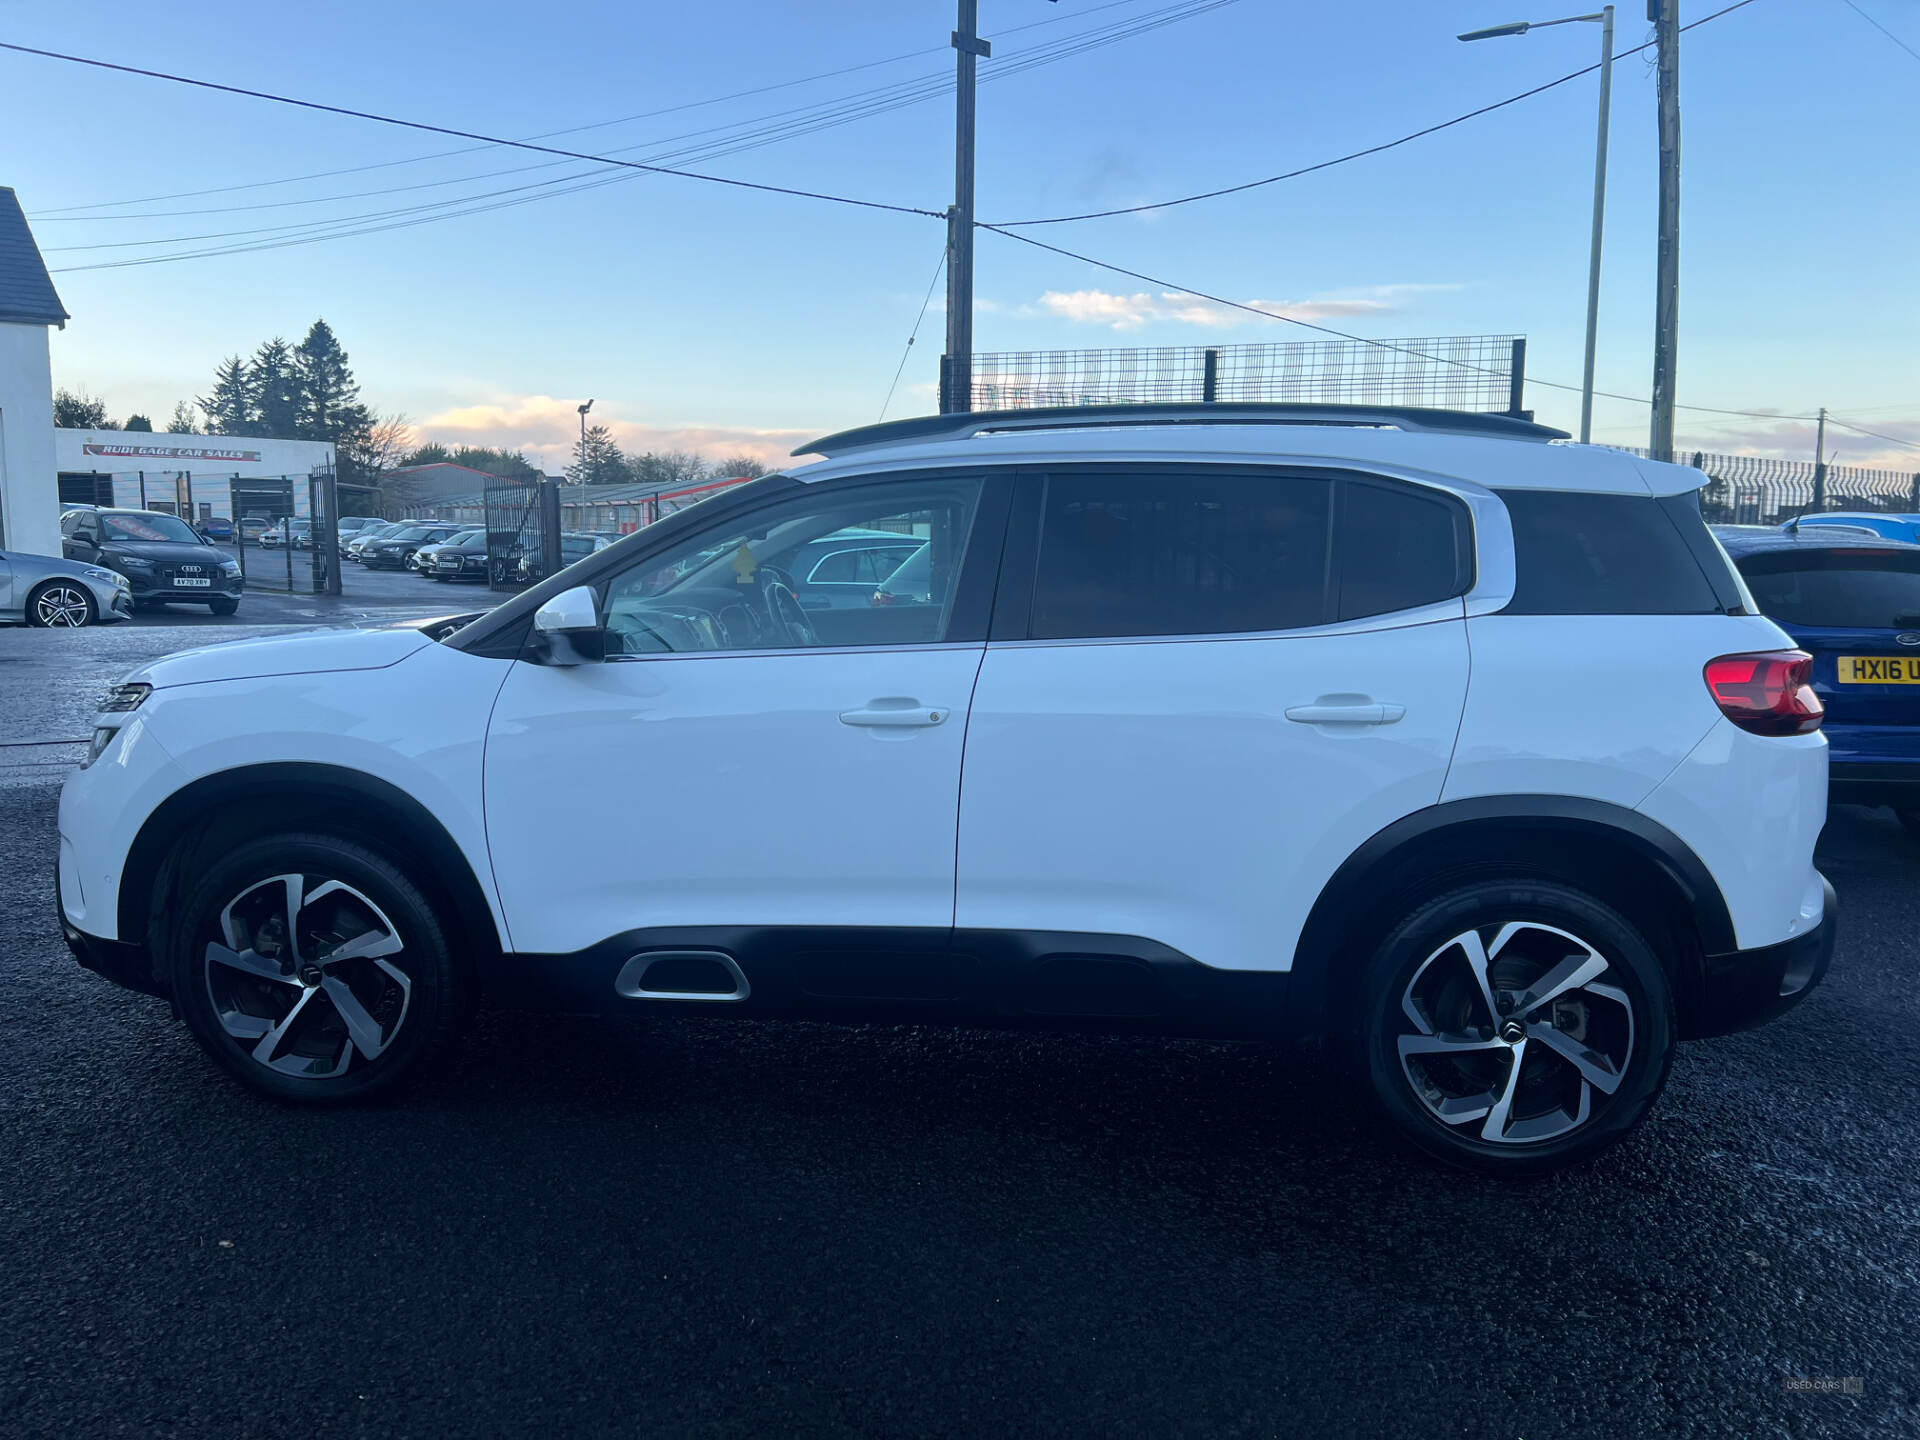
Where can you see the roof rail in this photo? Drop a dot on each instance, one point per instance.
(1221, 412)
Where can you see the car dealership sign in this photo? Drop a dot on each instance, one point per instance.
(127, 450)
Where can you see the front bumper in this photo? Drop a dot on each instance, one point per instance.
(124, 964)
(1745, 988)
(229, 586)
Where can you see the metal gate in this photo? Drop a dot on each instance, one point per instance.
(523, 525)
(278, 547)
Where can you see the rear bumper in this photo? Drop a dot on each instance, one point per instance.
(1875, 782)
(1745, 988)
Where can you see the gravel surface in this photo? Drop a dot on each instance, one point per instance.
(693, 1226)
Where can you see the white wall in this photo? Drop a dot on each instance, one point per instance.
(29, 493)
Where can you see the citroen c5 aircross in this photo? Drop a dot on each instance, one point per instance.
(1461, 749)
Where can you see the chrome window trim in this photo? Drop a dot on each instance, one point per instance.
(1437, 613)
(922, 647)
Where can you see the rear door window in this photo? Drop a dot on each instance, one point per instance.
(1399, 548)
(1863, 589)
(1147, 552)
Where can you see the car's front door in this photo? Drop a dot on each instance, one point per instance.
(1225, 680)
(736, 760)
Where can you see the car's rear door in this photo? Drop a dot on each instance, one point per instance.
(1216, 683)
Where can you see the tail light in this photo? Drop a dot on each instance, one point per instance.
(1768, 693)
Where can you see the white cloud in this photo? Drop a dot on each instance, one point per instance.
(546, 428)
(1131, 312)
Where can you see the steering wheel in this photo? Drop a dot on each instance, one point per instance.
(784, 607)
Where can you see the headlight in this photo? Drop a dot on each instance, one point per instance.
(105, 577)
(229, 567)
(125, 697)
(133, 562)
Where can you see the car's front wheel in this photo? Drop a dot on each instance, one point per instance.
(63, 604)
(312, 969)
(226, 606)
(1516, 1027)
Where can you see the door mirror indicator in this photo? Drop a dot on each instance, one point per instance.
(568, 628)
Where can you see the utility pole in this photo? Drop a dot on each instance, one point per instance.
(956, 366)
(1665, 15)
(1820, 464)
(583, 409)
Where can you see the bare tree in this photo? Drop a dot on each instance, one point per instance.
(389, 440)
(735, 465)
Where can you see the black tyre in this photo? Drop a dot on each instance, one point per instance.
(1910, 817)
(60, 604)
(312, 969)
(1516, 1027)
(226, 606)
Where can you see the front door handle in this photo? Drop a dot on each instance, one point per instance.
(1370, 712)
(895, 714)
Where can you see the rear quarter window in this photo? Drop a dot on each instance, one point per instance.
(1584, 554)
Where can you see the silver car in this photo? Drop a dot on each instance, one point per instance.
(44, 590)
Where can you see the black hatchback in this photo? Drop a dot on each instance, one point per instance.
(159, 554)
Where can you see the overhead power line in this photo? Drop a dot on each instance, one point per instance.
(809, 119)
(914, 334)
(1394, 144)
(59, 210)
(1884, 31)
(1862, 430)
(458, 134)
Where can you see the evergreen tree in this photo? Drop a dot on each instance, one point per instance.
(329, 396)
(275, 382)
(597, 460)
(230, 408)
(184, 421)
(431, 453)
(508, 463)
(139, 422)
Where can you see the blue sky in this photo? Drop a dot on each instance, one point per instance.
(699, 314)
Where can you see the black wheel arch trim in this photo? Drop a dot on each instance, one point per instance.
(1354, 885)
(383, 813)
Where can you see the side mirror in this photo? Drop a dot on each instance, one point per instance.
(568, 628)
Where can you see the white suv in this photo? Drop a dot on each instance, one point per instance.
(1406, 729)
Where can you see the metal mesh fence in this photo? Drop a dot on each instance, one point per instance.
(1760, 490)
(1455, 372)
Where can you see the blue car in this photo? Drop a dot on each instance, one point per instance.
(1853, 602)
(1887, 527)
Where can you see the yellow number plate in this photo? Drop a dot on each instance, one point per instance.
(1879, 669)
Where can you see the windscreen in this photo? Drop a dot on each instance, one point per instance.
(147, 527)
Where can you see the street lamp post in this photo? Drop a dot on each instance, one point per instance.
(583, 434)
(1605, 18)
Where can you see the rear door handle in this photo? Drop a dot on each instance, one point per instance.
(1366, 713)
(890, 714)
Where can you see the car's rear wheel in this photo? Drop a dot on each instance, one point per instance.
(60, 604)
(312, 969)
(1516, 1027)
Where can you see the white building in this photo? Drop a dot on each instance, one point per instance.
(188, 475)
(29, 497)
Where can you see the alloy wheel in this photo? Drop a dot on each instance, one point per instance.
(61, 605)
(307, 975)
(1516, 1037)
